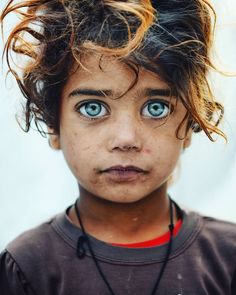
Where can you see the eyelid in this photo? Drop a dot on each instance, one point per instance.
(83, 102)
(91, 100)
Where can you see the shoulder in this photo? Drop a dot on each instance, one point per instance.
(18, 260)
(216, 236)
(37, 254)
(31, 239)
(210, 253)
(222, 231)
(35, 248)
(12, 279)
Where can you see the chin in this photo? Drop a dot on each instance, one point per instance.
(124, 200)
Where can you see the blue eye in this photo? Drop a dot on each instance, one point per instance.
(92, 109)
(156, 110)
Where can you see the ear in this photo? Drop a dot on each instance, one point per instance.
(53, 139)
(188, 139)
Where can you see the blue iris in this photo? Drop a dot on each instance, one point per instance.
(156, 109)
(93, 109)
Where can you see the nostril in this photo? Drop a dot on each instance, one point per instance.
(127, 148)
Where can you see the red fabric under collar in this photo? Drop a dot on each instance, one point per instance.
(154, 242)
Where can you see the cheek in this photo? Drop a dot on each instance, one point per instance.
(78, 151)
(165, 154)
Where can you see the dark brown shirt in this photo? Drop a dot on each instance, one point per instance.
(43, 261)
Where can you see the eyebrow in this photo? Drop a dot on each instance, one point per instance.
(157, 92)
(106, 92)
(90, 92)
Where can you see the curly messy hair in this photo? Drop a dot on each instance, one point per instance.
(171, 38)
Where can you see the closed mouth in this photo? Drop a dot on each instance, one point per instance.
(124, 169)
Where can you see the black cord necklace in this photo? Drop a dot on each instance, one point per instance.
(84, 239)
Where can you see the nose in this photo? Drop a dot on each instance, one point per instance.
(125, 134)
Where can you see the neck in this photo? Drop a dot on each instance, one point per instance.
(124, 222)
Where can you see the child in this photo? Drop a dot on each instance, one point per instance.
(121, 87)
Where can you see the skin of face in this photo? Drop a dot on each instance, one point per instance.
(122, 134)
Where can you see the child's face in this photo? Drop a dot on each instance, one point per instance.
(127, 131)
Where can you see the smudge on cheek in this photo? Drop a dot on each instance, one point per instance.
(94, 181)
(147, 151)
(94, 178)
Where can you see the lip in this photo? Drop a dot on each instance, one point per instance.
(121, 173)
(125, 169)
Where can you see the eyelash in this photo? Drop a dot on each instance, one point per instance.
(101, 104)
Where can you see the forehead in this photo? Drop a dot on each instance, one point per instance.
(97, 71)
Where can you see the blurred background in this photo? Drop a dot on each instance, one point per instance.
(35, 182)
